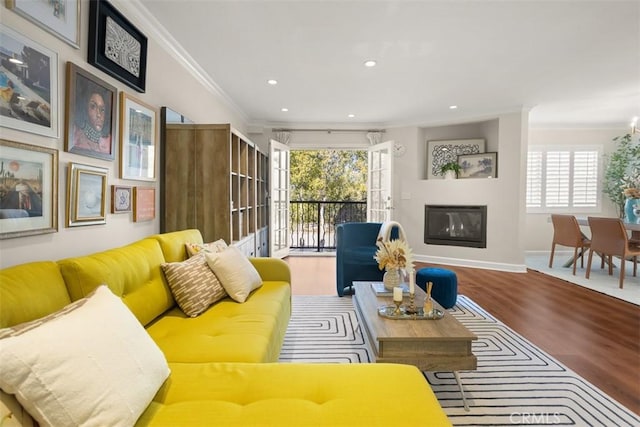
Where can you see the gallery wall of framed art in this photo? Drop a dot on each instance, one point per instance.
(60, 135)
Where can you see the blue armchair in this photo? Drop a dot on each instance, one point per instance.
(355, 248)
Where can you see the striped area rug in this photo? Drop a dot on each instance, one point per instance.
(516, 383)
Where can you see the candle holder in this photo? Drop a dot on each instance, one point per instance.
(396, 311)
(411, 309)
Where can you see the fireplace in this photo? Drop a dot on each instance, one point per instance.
(455, 225)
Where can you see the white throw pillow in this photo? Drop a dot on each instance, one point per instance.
(236, 273)
(94, 366)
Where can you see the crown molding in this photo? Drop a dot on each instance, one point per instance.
(160, 35)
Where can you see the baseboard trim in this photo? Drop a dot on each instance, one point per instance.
(457, 262)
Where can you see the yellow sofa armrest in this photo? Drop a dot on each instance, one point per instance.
(272, 269)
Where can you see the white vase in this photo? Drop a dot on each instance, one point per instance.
(449, 174)
(391, 279)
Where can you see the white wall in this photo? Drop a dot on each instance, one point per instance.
(503, 195)
(168, 84)
(538, 228)
(510, 230)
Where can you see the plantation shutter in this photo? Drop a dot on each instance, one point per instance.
(562, 179)
(585, 178)
(534, 179)
(557, 179)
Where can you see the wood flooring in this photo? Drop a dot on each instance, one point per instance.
(595, 335)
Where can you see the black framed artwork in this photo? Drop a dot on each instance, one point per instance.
(116, 46)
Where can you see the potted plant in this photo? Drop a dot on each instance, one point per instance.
(621, 171)
(450, 170)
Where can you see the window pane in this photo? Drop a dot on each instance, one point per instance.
(585, 179)
(557, 179)
(534, 179)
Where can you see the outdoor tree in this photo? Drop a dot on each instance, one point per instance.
(329, 175)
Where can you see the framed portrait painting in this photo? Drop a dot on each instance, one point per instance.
(86, 195)
(28, 85)
(28, 190)
(116, 46)
(482, 165)
(59, 17)
(440, 152)
(91, 114)
(138, 139)
(121, 198)
(144, 204)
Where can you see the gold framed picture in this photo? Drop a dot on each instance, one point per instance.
(28, 190)
(86, 195)
(90, 125)
(138, 139)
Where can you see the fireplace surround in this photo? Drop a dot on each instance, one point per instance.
(455, 225)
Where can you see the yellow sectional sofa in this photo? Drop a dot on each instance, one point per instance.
(223, 364)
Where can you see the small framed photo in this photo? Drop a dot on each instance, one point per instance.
(28, 85)
(116, 46)
(58, 17)
(86, 195)
(28, 190)
(138, 139)
(482, 165)
(91, 114)
(144, 204)
(121, 198)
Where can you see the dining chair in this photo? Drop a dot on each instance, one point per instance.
(566, 232)
(609, 238)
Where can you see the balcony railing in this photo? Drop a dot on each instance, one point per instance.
(313, 223)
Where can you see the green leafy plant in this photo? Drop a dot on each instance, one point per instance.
(620, 166)
(450, 166)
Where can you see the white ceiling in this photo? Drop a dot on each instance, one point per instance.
(573, 63)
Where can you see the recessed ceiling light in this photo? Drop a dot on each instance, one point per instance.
(15, 61)
(272, 82)
(284, 109)
(351, 116)
(370, 63)
(453, 107)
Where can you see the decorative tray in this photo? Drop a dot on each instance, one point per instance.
(387, 311)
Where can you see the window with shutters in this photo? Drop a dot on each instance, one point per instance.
(563, 178)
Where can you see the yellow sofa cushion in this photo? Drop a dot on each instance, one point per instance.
(39, 283)
(173, 244)
(221, 394)
(132, 272)
(228, 331)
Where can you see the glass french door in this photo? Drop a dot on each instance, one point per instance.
(379, 182)
(279, 178)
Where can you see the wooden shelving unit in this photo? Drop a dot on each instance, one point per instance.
(216, 181)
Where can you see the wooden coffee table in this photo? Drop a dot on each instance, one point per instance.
(431, 345)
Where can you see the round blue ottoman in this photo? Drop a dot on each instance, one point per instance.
(445, 284)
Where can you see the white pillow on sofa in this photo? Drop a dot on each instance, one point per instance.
(95, 365)
(235, 272)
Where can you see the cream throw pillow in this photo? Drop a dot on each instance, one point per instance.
(94, 366)
(236, 273)
(193, 284)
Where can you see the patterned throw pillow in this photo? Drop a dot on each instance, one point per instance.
(193, 284)
(212, 247)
